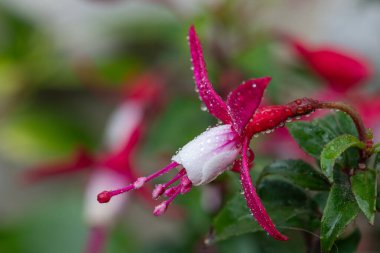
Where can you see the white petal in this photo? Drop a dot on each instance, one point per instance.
(218, 164)
(209, 154)
(97, 214)
(122, 123)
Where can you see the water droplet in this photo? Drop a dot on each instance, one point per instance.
(254, 85)
(298, 117)
(203, 107)
(289, 120)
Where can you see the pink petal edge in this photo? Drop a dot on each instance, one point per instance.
(210, 98)
(253, 200)
(244, 100)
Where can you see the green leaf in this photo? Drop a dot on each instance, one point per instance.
(299, 173)
(312, 136)
(286, 204)
(349, 244)
(344, 124)
(334, 149)
(341, 208)
(364, 188)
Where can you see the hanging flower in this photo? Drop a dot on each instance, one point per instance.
(114, 168)
(211, 153)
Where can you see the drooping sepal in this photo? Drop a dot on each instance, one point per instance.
(253, 200)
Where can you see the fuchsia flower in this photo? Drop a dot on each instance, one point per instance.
(115, 168)
(341, 70)
(343, 73)
(211, 153)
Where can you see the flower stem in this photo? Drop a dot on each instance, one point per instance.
(351, 112)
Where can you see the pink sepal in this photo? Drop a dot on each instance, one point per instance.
(244, 100)
(210, 98)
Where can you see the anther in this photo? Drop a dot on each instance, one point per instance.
(158, 191)
(160, 209)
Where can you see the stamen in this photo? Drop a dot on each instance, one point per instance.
(160, 189)
(169, 192)
(161, 208)
(162, 171)
(186, 185)
(105, 196)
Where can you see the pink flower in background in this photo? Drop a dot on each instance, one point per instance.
(211, 153)
(342, 71)
(114, 168)
(343, 74)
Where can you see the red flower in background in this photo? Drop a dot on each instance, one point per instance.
(345, 75)
(342, 71)
(115, 167)
(211, 153)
